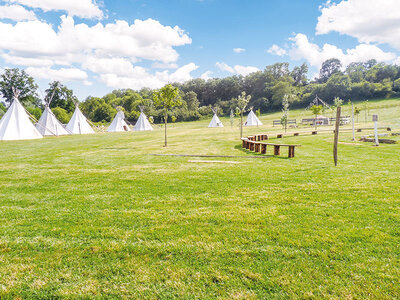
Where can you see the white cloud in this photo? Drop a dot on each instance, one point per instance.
(158, 65)
(276, 50)
(367, 20)
(206, 75)
(63, 74)
(140, 77)
(81, 8)
(109, 50)
(239, 50)
(224, 67)
(302, 48)
(245, 70)
(16, 13)
(237, 69)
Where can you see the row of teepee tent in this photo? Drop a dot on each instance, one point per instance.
(252, 120)
(16, 125)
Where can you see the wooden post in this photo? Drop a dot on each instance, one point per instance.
(257, 147)
(336, 140)
(352, 119)
(375, 119)
(165, 126)
(263, 149)
(277, 150)
(291, 151)
(251, 146)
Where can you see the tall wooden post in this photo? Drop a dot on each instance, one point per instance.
(375, 119)
(352, 120)
(165, 128)
(335, 143)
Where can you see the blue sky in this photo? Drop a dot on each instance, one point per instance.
(85, 45)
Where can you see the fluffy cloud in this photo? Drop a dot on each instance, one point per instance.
(81, 8)
(239, 50)
(276, 50)
(109, 50)
(16, 13)
(206, 75)
(224, 67)
(139, 77)
(302, 48)
(238, 69)
(367, 20)
(63, 74)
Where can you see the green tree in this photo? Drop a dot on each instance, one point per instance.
(241, 104)
(316, 110)
(285, 110)
(61, 114)
(357, 111)
(167, 98)
(299, 75)
(61, 96)
(328, 68)
(16, 79)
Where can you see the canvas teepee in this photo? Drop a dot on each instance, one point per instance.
(118, 124)
(142, 123)
(78, 123)
(252, 119)
(215, 122)
(15, 124)
(48, 123)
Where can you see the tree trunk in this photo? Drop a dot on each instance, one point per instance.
(315, 121)
(241, 125)
(165, 128)
(336, 139)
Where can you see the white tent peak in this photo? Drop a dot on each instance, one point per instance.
(118, 124)
(15, 124)
(49, 125)
(142, 123)
(78, 123)
(252, 119)
(215, 121)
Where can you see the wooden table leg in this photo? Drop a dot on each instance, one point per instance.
(263, 149)
(277, 150)
(291, 151)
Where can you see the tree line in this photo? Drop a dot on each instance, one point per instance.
(267, 88)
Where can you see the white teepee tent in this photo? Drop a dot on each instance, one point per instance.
(48, 123)
(215, 122)
(15, 124)
(252, 119)
(142, 123)
(78, 123)
(118, 124)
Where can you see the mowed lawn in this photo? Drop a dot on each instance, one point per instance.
(97, 216)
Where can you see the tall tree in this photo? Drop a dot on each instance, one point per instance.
(329, 67)
(62, 96)
(285, 110)
(21, 81)
(167, 98)
(242, 102)
(316, 110)
(299, 74)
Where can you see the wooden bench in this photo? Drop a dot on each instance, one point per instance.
(260, 147)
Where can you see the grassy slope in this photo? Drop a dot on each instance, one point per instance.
(97, 216)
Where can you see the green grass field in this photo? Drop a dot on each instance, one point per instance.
(97, 216)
